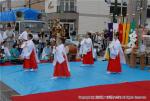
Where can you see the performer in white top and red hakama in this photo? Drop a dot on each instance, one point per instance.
(61, 67)
(29, 55)
(116, 56)
(87, 50)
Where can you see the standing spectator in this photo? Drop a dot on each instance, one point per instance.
(66, 28)
(42, 41)
(24, 36)
(9, 36)
(106, 39)
(73, 34)
(1, 38)
(100, 43)
(92, 35)
(46, 52)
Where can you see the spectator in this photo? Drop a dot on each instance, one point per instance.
(46, 52)
(9, 36)
(42, 41)
(6, 51)
(2, 56)
(24, 35)
(19, 48)
(15, 55)
(73, 34)
(1, 38)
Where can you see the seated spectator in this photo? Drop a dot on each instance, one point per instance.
(95, 54)
(6, 51)
(19, 49)
(2, 56)
(52, 47)
(15, 55)
(14, 52)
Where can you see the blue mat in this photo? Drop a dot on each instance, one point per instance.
(37, 82)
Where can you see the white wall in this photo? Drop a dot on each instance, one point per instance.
(54, 6)
(92, 7)
(92, 15)
(91, 24)
(148, 2)
(148, 22)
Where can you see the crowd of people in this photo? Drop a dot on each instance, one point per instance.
(10, 44)
(29, 50)
(11, 49)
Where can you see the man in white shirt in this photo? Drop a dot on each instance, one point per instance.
(24, 36)
(9, 36)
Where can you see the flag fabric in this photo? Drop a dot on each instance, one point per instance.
(133, 39)
(132, 27)
(110, 31)
(107, 54)
(127, 33)
(124, 32)
(120, 30)
(132, 35)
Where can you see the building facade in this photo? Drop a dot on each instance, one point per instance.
(79, 15)
(10, 4)
(66, 11)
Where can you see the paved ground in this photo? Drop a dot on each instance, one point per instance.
(6, 92)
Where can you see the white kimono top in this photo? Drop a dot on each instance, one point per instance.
(28, 47)
(115, 50)
(24, 36)
(86, 46)
(60, 55)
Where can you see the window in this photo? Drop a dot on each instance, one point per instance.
(148, 11)
(72, 6)
(61, 7)
(66, 6)
(118, 9)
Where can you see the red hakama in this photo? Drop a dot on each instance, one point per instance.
(114, 65)
(88, 58)
(31, 62)
(61, 70)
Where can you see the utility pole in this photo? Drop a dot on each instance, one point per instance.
(8, 4)
(1, 8)
(121, 7)
(137, 9)
(115, 11)
(29, 3)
